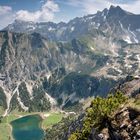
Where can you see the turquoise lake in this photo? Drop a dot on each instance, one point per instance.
(27, 128)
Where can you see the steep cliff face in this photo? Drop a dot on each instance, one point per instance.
(130, 86)
(31, 68)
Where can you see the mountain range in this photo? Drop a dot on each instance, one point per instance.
(44, 65)
(114, 22)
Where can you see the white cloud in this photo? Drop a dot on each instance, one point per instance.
(5, 10)
(132, 7)
(92, 6)
(46, 13)
(89, 6)
(6, 16)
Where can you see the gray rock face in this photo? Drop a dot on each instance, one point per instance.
(32, 65)
(129, 86)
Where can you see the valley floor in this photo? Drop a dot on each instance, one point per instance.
(49, 119)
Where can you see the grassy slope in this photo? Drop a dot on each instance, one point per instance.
(51, 120)
(5, 130)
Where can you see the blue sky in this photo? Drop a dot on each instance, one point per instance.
(57, 10)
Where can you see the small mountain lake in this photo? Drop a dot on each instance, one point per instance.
(27, 128)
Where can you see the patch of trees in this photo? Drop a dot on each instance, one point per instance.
(100, 111)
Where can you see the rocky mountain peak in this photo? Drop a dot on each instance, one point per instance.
(116, 11)
(127, 26)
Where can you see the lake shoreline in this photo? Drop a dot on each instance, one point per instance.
(11, 130)
(43, 125)
(34, 121)
(41, 115)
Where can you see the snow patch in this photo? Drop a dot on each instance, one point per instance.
(72, 29)
(98, 24)
(92, 48)
(121, 26)
(128, 66)
(117, 69)
(138, 57)
(48, 75)
(31, 27)
(127, 39)
(92, 23)
(51, 29)
(89, 18)
(29, 88)
(134, 36)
